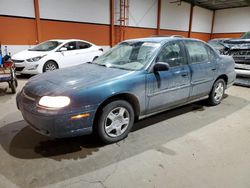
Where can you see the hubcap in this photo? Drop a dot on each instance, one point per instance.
(50, 67)
(218, 92)
(117, 122)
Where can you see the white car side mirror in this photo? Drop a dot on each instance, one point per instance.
(63, 49)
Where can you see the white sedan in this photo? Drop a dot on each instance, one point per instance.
(54, 54)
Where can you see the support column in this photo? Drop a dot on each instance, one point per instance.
(190, 20)
(111, 23)
(159, 17)
(212, 26)
(37, 17)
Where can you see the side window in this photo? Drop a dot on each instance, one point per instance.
(70, 46)
(83, 45)
(197, 52)
(211, 54)
(172, 54)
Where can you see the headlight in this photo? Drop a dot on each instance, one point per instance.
(34, 59)
(54, 102)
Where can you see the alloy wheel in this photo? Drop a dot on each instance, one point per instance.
(218, 92)
(117, 122)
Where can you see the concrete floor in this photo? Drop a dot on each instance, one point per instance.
(192, 146)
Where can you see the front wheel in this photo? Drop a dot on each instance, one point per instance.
(115, 121)
(217, 93)
(13, 86)
(50, 66)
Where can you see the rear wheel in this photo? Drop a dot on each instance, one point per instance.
(50, 66)
(115, 121)
(217, 93)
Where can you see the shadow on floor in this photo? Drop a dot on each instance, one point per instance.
(20, 141)
(47, 161)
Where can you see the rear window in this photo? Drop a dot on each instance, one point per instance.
(197, 51)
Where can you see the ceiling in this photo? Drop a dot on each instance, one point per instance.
(220, 4)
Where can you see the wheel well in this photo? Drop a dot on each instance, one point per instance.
(131, 99)
(224, 77)
(53, 61)
(95, 57)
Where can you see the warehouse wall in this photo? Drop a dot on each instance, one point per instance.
(143, 13)
(202, 23)
(91, 11)
(142, 18)
(24, 8)
(72, 19)
(231, 23)
(17, 29)
(174, 19)
(90, 20)
(175, 16)
(87, 20)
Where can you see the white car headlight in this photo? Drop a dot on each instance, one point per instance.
(54, 101)
(34, 59)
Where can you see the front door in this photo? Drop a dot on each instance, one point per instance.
(69, 57)
(172, 87)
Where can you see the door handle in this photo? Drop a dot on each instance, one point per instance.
(213, 69)
(184, 74)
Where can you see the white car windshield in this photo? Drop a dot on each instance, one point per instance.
(46, 46)
(128, 55)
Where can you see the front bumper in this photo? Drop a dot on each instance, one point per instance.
(54, 124)
(24, 67)
(242, 69)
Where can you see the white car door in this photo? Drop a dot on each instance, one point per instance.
(69, 56)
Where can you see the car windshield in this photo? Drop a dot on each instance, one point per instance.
(246, 35)
(128, 55)
(46, 46)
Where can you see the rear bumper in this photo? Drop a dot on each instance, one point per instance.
(55, 125)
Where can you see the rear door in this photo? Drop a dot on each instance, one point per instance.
(172, 87)
(202, 68)
(86, 52)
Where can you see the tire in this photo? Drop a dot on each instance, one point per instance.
(50, 66)
(13, 87)
(217, 92)
(16, 83)
(119, 113)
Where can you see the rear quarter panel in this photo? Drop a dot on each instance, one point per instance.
(226, 66)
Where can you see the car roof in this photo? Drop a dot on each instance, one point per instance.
(68, 40)
(161, 40)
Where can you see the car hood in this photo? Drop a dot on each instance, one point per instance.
(237, 43)
(26, 54)
(77, 77)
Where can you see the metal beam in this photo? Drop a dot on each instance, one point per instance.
(212, 26)
(111, 35)
(190, 20)
(159, 17)
(38, 24)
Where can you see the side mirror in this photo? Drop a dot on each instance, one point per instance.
(161, 66)
(63, 49)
